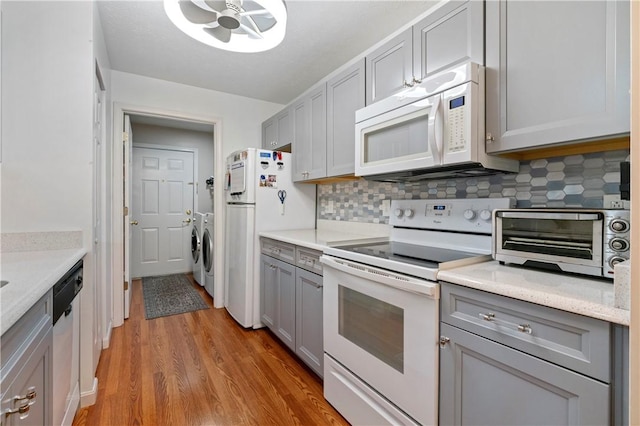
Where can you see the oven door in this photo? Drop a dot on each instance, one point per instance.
(383, 328)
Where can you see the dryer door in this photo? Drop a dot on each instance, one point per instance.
(207, 250)
(195, 244)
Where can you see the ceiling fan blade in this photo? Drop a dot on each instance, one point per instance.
(196, 15)
(221, 33)
(219, 5)
(255, 12)
(252, 33)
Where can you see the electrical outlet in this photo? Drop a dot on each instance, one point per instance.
(329, 209)
(613, 201)
(386, 206)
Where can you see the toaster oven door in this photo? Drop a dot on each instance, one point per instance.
(571, 241)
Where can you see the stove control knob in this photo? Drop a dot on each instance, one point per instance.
(469, 214)
(408, 213)
(485, 214)
(398, 213)
(619, 225)
(619, 244)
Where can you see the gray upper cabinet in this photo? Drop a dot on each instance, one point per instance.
(345, 95)
(556, 72)
(451, 35)
(310, 135)
(277, 131)
(389, 67)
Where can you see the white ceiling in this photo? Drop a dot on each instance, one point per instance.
(321, 36)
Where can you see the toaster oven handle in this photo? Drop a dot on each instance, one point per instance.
(435, 138)
(548, 215)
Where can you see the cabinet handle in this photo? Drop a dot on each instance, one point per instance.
(416, 81)
(491, 317)
(444, 341)
(23, 410)
(407, 84)
(27, 401)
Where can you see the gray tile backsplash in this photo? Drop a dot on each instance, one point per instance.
(572, 181)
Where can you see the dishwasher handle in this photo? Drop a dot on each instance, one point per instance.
(401, 282)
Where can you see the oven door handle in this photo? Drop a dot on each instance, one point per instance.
(401, 282)
(549, 215)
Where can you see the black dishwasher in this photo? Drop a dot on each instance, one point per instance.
(65, 290)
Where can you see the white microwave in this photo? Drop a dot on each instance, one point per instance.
(433, 129)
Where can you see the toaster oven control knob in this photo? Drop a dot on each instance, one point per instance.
(615, 260)
(619, 244)
(619, 225)
(485, 214)
(408, 213)
(469, 214)
(398, 213)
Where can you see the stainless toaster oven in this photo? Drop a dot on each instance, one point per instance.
(583, 241)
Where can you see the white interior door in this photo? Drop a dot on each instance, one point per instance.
(162, 201)
(126, 155)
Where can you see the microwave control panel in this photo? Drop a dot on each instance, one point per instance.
(457, 131)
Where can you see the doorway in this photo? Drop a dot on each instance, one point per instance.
(122, 217)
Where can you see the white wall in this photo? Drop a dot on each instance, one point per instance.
(202, 141)
(242, 117)
(47, 116)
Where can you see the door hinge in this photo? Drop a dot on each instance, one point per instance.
(126, 285)
(125, 137)
(126, 211)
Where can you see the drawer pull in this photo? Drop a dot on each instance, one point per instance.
(491, 317)
(525, 328)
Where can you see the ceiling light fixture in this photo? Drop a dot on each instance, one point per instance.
(235, 25)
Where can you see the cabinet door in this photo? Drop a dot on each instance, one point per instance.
(269, 133)
(345, 95)
(309, 345)
(389, 67)
(268, 291)
(310, 135)
(556, 72)
(285, 129)
(34, 374)
(286, 314)
(485, 383)
(451, 35)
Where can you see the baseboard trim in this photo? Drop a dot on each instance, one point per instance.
(106, 340)
(89, 397)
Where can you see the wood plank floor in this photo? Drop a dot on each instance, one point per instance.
(202, 368)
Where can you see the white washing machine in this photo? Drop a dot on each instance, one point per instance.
(208, 252)
(196, 247)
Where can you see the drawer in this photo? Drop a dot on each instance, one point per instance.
(278, 249)
(309, 259)
(574, 341)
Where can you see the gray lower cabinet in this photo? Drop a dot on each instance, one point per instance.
(26, 378)
(291, 298)
(278, 298)
(485, 383)
(509, 362)
(309, 346)
(556, 72)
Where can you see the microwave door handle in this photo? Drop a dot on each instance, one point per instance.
(435, 138)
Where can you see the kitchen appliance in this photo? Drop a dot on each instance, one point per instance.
(433, 129)
(196, 247)
(208, 252)
(381, 309)
(583, 241)
(253, 179)
(66, 346)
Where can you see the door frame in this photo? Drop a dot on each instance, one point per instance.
(117, 219)
(194, 151)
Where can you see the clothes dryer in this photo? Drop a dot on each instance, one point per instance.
(196, 247)
(208, 252)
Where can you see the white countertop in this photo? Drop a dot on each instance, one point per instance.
(580, 295)
(319, 239)
(30, 274)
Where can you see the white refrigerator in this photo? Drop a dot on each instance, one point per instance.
(261, 196)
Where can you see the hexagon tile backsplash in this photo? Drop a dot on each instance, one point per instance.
(572, 181)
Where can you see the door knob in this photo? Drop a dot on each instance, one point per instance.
(134, 222)
(188, 211)
(187, 220)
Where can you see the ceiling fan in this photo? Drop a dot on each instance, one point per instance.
(237, 25)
